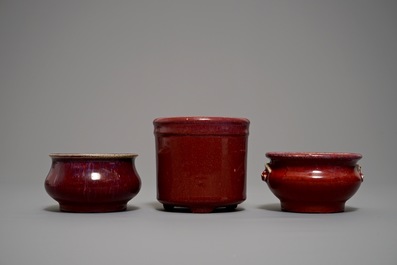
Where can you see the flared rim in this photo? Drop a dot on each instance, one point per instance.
(92, 155)
(312, 155)
(200, 119)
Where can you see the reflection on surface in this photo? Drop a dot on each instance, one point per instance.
(95, 176)
(317, 174)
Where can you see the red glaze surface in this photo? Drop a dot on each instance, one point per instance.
(201, 162)
(313, 182)
(92, 182)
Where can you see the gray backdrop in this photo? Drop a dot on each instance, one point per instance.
(90, 76)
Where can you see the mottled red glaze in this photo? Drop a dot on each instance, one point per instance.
(92, 182)
(201, 162)
(313, 182)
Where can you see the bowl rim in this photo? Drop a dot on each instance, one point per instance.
(92, 155)
(201, 119)
(314, 155)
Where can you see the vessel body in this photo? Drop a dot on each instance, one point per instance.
(92, 182)
(201, 162)
(313, 182)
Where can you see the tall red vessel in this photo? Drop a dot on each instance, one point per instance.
(201, 162)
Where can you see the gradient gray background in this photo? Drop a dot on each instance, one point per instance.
(90, 76)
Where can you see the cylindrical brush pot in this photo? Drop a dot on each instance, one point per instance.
(201, 162)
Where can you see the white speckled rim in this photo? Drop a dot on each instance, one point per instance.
(319, 155)
(92, 155)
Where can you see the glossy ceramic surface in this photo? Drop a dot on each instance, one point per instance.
(201, 162)
(92, 182)
(313, 182)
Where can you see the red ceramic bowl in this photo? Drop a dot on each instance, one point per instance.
(92, 182)
(201, 162)
(313, 182)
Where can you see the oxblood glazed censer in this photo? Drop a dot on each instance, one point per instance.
(201, 162)
(313, 182)
(92, 182)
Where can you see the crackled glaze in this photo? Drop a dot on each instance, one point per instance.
(313, 182)
(201, 162)
(92, 182)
